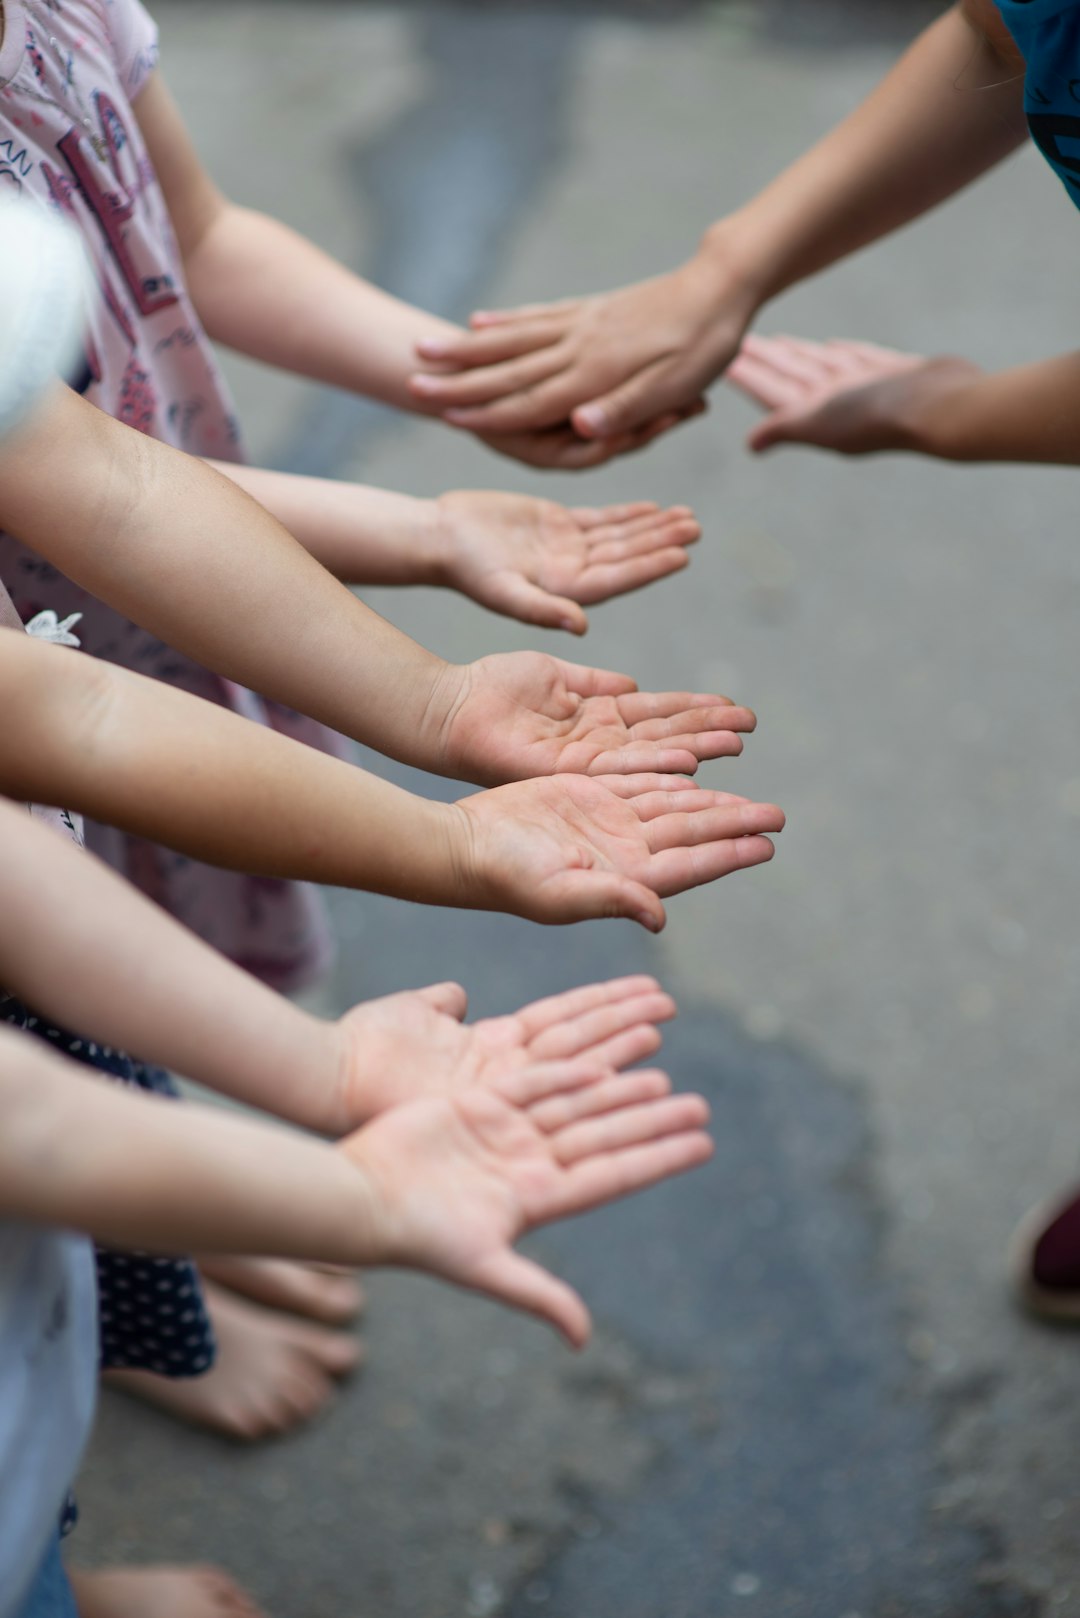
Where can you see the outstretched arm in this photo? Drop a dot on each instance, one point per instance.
(531, 559)
(86, 949)
(950, 110)
(859, 399)
(186, 554)
(161, 764)
(442, 1186)
(264, 290)
(135, 1170)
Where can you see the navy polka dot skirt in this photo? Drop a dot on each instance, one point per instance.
(152, 1310)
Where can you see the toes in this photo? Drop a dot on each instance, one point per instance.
(334, 1352)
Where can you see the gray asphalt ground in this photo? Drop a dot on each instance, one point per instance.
(809, 1394)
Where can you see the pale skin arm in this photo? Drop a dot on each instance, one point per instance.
(442, 1186)
(264, 290)
(859, 399)
(531, 559)
(950, 110)
(161, 764)
(187, 555)
(83, 947)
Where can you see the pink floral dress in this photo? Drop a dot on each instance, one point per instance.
(69, 72)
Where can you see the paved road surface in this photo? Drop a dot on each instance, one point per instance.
(809, 1395)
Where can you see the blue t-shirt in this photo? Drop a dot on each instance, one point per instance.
(1047, 33)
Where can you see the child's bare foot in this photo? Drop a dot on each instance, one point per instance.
(272, 1373)
(160, 1592)
(319, 1291)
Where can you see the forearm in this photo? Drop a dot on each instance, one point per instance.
(949, 110)
(264, 290)
(87, 950)
(1028, 413)
(154, 761)
(183, 552)
(131, 1169)
(360, 534)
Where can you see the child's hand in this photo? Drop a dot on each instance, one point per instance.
(610, 364)
(540, 562)
(522, 714)
(565, 849)
(411, 1045)
(457, 1181)
(853, 398)
(561, 449)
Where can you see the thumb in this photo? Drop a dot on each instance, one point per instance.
(605, 895)
(779, 428)
(518, 597)
(522, 1284)
(450, 998)
(632, 405)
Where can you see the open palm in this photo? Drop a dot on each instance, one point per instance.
(852, 398)
(542, 562)
(566, 848)
(457, 1180)
(415, 1044)
(523, 714)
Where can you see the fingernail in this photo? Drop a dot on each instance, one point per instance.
(433, 348)
(648, 921)
(591, 416)
(425, 384)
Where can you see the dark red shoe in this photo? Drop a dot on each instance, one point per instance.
(1044, 1258)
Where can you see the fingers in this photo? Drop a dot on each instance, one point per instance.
(540, 1081)
(634, 404)
(762, 383)
(638, 707)
(805, 364)
(461, 392)
(587, 682)
(623, 1050)
(617, 542)
(589, 517)
(583, 895)
(710, 825)
(629, 1126)
(522, 1284)
(583, 1034)
(562, 309)
(685, 722)
(644, 756)
(689, 800)
(620, 1090)
(494, 342)
(602, 583)
(691, 867)
(557, 1008)
(450, 998)
(782, 427)
(595, 1181)
(518, 597)
(557, 448)
(672, 754)
(634, 787)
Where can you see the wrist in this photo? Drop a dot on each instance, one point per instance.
(364, 1224)
(728, 261)
(445, 694)
(448, 537)
(381, 1234)
(429, 540)
(928, 415)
